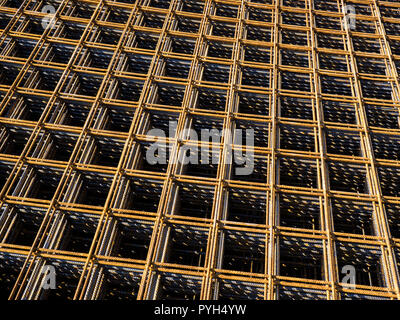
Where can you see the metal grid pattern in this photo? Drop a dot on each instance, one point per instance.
(78, 100)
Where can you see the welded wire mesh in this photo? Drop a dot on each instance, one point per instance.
(82, 83)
